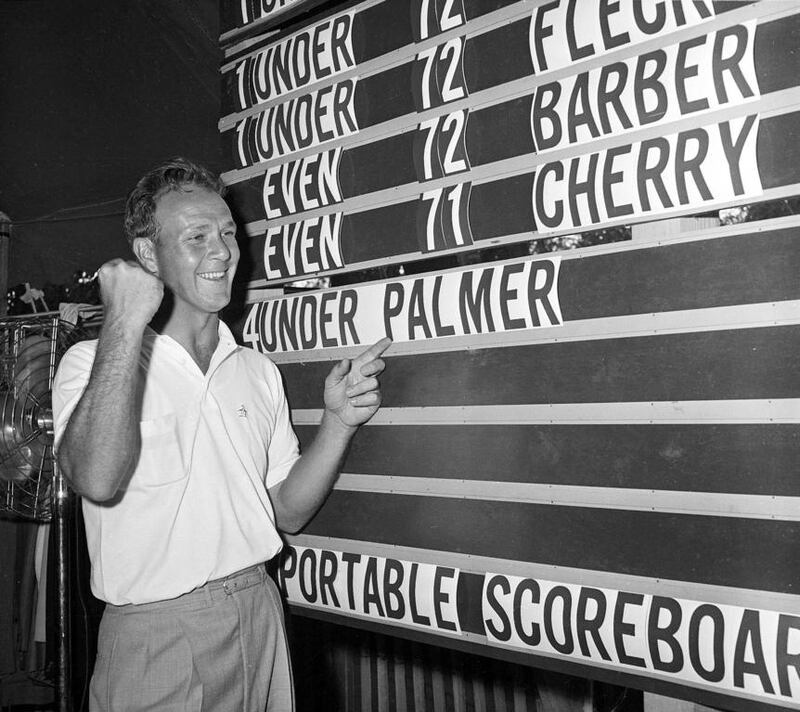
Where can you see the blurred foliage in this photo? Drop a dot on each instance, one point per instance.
(761, 211)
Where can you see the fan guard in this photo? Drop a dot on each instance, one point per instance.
(30, 349)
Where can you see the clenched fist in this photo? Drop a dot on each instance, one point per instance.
(129, 292)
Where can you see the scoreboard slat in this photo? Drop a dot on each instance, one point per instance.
(733, 364)
(732, 458)
(742, 553)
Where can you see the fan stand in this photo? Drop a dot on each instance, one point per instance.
(62, 503)
(62, 510)
(30, 347)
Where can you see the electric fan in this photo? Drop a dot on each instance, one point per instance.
(30, 484)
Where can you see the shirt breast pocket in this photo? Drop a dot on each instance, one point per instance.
(162, 458)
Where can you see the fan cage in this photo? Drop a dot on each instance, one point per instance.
(30, 349)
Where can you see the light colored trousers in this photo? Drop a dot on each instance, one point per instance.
(220, 648)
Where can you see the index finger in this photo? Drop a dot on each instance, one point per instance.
(373, 351)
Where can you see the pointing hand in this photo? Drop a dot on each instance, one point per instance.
(352, 391)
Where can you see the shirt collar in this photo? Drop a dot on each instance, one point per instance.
(227, 345)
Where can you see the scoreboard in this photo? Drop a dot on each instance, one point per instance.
(585, 460)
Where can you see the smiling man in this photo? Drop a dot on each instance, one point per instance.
(180, 444)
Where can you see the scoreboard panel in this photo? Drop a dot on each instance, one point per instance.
(585, 460)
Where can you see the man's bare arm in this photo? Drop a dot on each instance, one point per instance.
(101, 442)
(352, 396)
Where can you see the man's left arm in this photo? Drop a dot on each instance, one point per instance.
(352, 397)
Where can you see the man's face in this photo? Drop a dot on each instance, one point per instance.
(196, 251)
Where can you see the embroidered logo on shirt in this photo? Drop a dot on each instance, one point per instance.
(242, 411)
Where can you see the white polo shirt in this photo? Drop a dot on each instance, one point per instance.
(196, 508)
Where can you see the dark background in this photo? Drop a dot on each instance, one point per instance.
(92, 94)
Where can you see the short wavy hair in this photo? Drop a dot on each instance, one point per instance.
(174, 174)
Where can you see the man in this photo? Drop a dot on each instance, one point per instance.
(179, 442)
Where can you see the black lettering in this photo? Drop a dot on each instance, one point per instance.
(328, 567)
(575, 52)
(612, 96)
(392, 581)
(323, 134)
(683, 72)
(649, 28)
(307, 325)
(439, 328)
(291, 238)
(245, 70)
(264, 138)
(308, 561)
(264, 144)
(585, 625)
(720, 64)
(262, 79)
(577, 117)
(339, 51)
(653, 174)
(287, 318)
(474, 304)
(665, 634)
(283, 130)
(541, 295)
(320, 71)
(622, 629)
(701, 7)
(288, 565)
(268, 313)
(418, 618)
(541, 31)
(610, 178)
(714, 615)
(273, 193)
(348, 303)
(643, 83)
(302, 66)
(416, 311)
(609, 7)
(733, 149)
(680, 17)
(306, 169)
(504, 632)
(585, 187)
(304, 107)
(542, 112)
(685, 165)
(328, 185)
(532, 587)
(440, 597)
(555, 593)
(750, 629)
(325, 317)
(507, 295)
(342, 109)
(282, 68)
(555, 219)
(289, 183)
(349, 561)
(372, 595)
(393, 300)
(784, 658)
(243, 140)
